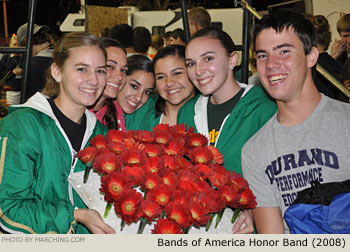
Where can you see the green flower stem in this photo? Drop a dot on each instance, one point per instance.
(142, 225)
(122, 225)
(218, 218)
(86, 173)
(186, 230)
(209, 222)
(235, 214)
(107, 209)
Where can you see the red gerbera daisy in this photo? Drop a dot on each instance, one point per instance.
(197, 140)
(218, 175)
(237, 181)
(203, 185)
(134, 157)
(169, 162)
(151, 181)
(174, 148)
(128, 206)
(187, 181)
(200, 214)
(107, 162)
(202, 170)
(150, 210)
(228, 194)
(181, 197)
(184, 163)
(162, 136)
(87, 155)
(153, 164)
(144, 136)
(134, 174)
(169, 178)
(163, 127)
(153, 150)
(99, 142)
(113, 185)
(210, 200)
(130, 143)
(217, 156)
(179, 213)
(247, 200)
(182, 129)
(116, 147)
(115, 136)
(200, 155)
(165, 226)
(162, 194)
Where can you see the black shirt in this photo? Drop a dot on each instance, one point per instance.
(217, 114)
(73, 130)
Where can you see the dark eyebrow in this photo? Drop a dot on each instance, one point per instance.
(275, 48)
(138, 83)
(87, 65)
(81, 64)
(206, 53)
(113, 61)
(282, 45)
(203, 54)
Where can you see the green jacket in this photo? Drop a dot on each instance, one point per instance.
(36, 160)
(252, 111)
(143, 118)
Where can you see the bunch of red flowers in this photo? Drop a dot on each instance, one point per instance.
(170, 175)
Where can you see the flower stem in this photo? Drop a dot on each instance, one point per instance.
(108, 207)
(86, 174)
(142, 225)
(218, 218)
(122, 225)
(186, 230)
(209, 222)
(235, 214)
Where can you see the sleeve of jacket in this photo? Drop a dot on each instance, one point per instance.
(22, 209)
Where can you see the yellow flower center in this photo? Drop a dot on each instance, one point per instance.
(148, 213)
(176, 217)
(161, 140)
(150, 184)
(115, 187)
(162, 198)
(196, 144)
(134, 161)
(171, 152)
(108, 167)
(194, 215)
(129, 206)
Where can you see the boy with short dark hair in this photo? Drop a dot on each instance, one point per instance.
(308, 138)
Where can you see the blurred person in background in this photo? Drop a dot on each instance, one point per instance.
(11, 68)
(41, 59)
(198, 18)
(177, 37)
(340, 49)
(142, 40)
(323, 39)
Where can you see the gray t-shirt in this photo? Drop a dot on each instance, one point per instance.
(279, 161)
